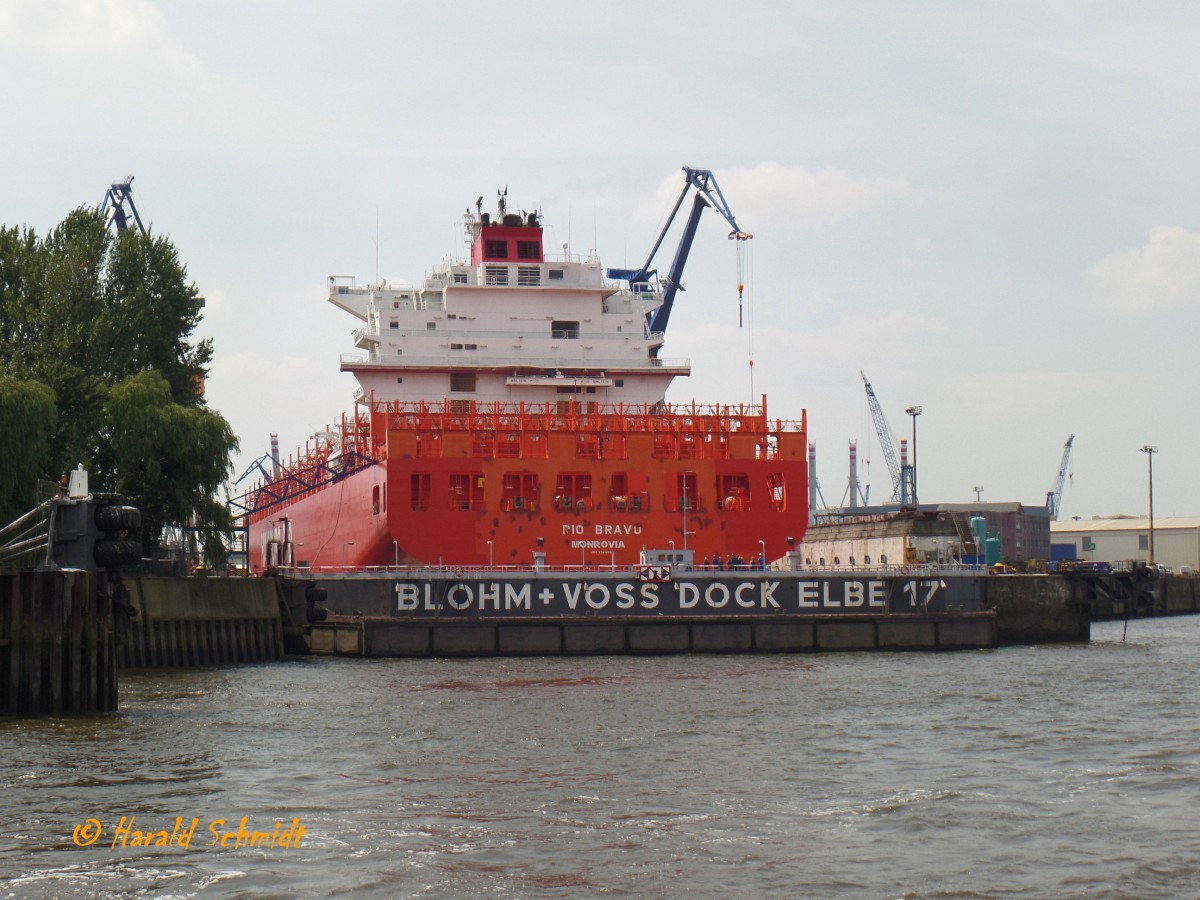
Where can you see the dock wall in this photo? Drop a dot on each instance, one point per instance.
(1037, 609)
(57, 643)
(1120, 595)
(1180, 596)
(201, 621)
(390, 637)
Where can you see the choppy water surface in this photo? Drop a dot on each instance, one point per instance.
(1067, 771)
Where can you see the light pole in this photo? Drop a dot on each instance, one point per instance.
(762, 553)
(685, 511)
(914, 411)
(1150, 451)
(489, 554)
(978, 492)
(344, 546)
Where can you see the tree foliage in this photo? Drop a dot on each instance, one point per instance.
(27, 419)
(171, 457)
(95, 341)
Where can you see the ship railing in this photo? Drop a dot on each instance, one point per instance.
(669, 419)
(749, 569)
(473, 361)
(532, 335)
(689, 414)
(920, 570)
(449, 571)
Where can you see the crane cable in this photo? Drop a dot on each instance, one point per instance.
(746, 320)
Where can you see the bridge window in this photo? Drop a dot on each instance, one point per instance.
(462, 382)
(495, 274)
(529, 250)
(564, 330)
(495, 249)
(529, 276)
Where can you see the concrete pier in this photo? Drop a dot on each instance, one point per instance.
(1120, 595)
(392, 637)
(57, 643)
(1037, 609)
(202, 621)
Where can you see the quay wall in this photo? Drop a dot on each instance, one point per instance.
(1180, 595)
(201, 621)
(392, 637)
(1037, 609)
(57, 642)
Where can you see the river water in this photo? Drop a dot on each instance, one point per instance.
(1055, 771)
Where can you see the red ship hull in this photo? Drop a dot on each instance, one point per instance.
(494, 486)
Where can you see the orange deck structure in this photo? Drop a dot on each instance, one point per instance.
(491, 484)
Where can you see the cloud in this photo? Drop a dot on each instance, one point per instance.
(798, 194)
(116, 31)
(771, 192)
(1162, 274)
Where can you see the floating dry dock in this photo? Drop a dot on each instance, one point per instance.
(650, 610)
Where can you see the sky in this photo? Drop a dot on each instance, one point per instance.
(993, 210)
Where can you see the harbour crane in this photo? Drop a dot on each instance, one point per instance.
(708, 193)
(1054, 495)
(887, 443)
(117, 206)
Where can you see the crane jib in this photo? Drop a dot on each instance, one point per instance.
(708, 193)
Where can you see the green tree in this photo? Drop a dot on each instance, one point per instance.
(104, 321)
(27, 421)
(20, 258)
(170, 459)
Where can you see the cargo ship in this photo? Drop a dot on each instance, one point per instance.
(512, 411)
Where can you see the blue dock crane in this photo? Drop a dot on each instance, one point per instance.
(118, 206)
(708, 193)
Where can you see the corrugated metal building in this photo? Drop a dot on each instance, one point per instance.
(935, 531)
(1116, 539)
(1024, 531)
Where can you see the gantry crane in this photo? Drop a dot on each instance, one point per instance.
(887, 443)
(1054, 495)
(708, 193)
(117, 206)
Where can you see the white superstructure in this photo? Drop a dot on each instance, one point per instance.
(511, 325)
